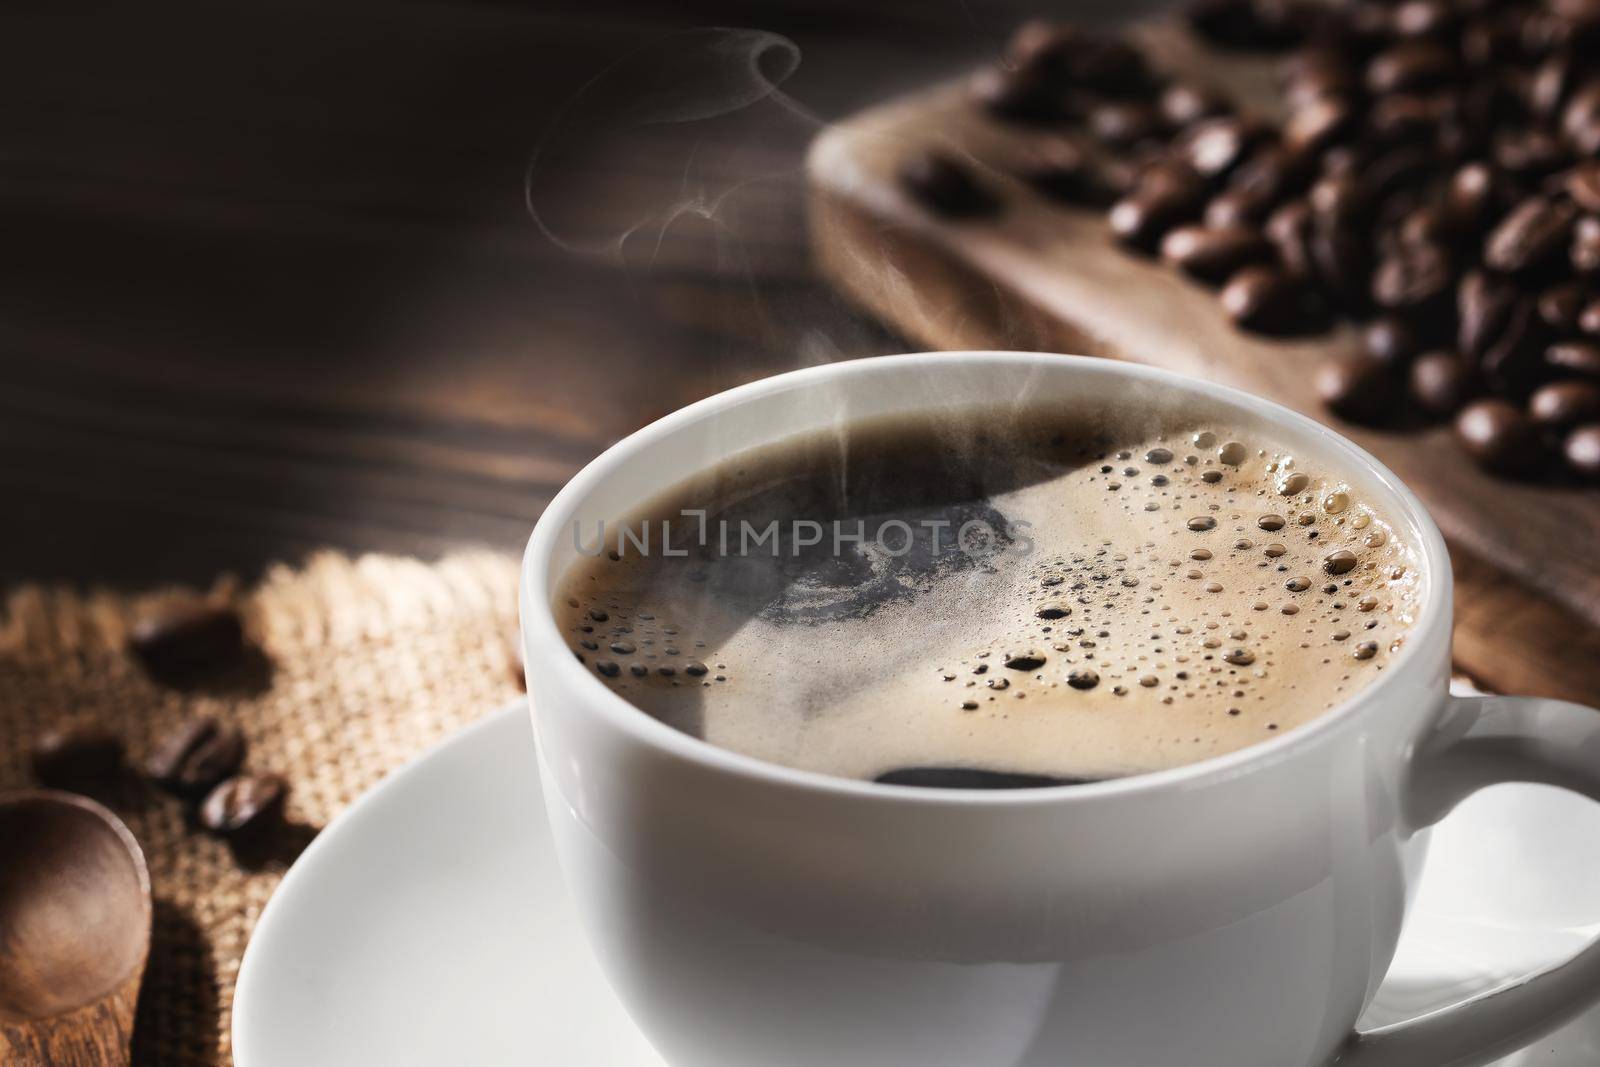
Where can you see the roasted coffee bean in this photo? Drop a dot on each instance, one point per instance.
(79, 758)
(1166, 195)
(1214, 254)
(1123, 124)
(1042, 44)
(1580, 122)
(1399, 168)
(1340, 201)
(1585, 250)
(1560, 305)
(1289, 228)
(1530, 237)
(1529, 154)
(1019, 93)
(1430, 224)
(1357, 387)
(1232, 207)
(1424, 18)
(1583, 185)
(1110, 66)
(1472, 193)
(1214, 147)
(1582, 451)
(1271, 173)
(1415, 278)
(245, 805)
(1578, 357)
(184, 637)
(1496, 434)
(1562, 405)
(1315, 73)
(1589, 318)
(1409, 116)
(196, 756)
(1483, 305)
(1549, 87)
(1440, 383)
(1070, 55)
(1409, 67)
(1061, 170)
(1342, 264)
(946, 186)
(1513, 363)
(1229, 23)
(1265, 300)
(1344, 161)
(1185, 103)
(1390, 340)
(1315, 125)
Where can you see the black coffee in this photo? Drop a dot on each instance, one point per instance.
(985, 599)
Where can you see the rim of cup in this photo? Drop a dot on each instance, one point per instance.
(546, 650)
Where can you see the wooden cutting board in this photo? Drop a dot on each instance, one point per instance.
(1049, 278)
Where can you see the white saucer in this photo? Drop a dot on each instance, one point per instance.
(428, 925)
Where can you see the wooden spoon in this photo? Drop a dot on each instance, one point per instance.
(74, 931)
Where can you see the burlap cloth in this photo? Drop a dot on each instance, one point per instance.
(367, 663)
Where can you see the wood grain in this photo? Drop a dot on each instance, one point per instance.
(75, 915)
(1048, 278)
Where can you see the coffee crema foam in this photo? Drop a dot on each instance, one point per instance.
(1146, 601)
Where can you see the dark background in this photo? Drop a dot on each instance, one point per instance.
(270, 282)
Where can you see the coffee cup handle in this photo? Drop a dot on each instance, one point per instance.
(1480, 741)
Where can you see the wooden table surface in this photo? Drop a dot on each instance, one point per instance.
(271, 283)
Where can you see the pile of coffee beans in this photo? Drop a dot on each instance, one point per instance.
(202, 761)
(1437, 178)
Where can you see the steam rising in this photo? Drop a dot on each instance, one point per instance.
(653, 109)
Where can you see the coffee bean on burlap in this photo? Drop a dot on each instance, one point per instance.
(78, 758)
(196, 756)
(183, 637)
(245, 806)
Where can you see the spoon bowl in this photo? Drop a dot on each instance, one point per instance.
(74, 930)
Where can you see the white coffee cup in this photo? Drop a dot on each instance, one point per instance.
(1237, 912)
